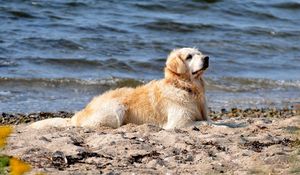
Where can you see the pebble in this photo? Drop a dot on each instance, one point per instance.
(189, 158)
(59, 159)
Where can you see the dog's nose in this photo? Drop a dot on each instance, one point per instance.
(206, 59)
(205, 62)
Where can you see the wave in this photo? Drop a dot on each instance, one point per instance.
(288, 5)
(227, 84)
(153, 7)
(107, 64)
(180, 6)
(175, 26)
(254, 30)
(20, 14)
(76, 4)
(239, 84)
(7, 63)
(208, 1)
(54, 43)
(68, 62)
(70, 82)
(169, 25)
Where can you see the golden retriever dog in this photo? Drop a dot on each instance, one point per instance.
(176, 101)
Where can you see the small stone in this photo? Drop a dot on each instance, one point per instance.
(141, 139)
(266, 121)
(234, 110)
(45, 139)
(112, 143)
(195, 128)
(245, 154)
(59, 159)
(189, 158)
(112, 173)
(87, 130)
(223, 110)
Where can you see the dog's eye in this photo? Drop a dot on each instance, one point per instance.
(189, 57)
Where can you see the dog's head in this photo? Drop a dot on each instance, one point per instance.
(187, 62)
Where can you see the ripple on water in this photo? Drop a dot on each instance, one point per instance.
(20, 14)
(287, 5)
(48, 49)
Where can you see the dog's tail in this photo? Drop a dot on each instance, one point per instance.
(51, 122)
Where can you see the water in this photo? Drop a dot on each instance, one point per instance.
(56, 55)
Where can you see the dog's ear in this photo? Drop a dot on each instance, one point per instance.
(175, 63)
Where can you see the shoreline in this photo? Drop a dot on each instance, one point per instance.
(20, 118)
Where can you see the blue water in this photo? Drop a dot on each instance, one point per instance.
(56, 55)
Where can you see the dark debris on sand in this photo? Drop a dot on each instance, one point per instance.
(265, 145)
(266, 140)
(255, 113)
(18, 118)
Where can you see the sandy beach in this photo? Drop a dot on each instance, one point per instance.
(56, 56)
(243, 144)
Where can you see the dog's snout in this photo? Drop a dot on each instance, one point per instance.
(206, 59)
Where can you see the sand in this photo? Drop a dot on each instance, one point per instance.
(256, 145)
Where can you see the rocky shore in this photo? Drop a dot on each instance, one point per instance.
(18, 118)
(244, 141)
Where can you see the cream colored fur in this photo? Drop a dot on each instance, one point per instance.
(176, 101)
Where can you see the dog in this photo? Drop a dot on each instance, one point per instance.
(176, 101)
